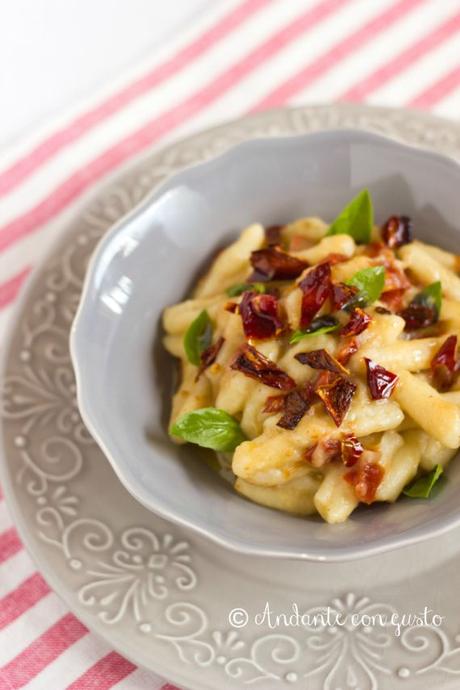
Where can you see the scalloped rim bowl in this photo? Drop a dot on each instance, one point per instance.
(151, 258)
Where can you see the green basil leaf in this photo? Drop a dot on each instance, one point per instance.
(198, 337)
(320, 325)
(209, 427)
(236, 290)
(431, 294)
(356, 219)
(423, 487)
(370, 283)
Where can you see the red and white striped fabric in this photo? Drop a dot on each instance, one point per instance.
(243, 56)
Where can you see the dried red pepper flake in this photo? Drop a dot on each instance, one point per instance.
(335, 258)
(419, 315)
(395, 279)
(316, 288)
(274, 264)
(209, 356)
(365, 477)
(374, 249)
(321, 453)
(393, 299)
(337, 395)
(396, 231)
(444, 365)
(296, 404)
(351, 449)
(232, 307)
(298, 243)
(358, 322)
(274, 404)
(260, 315)
(380, 381)
(308, 452)
(273, 235)
(342, 295)
(321, 359)
(253, 364)
(347, 351)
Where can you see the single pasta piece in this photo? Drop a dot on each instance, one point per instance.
(400, 456)
(413, 355)
(434, 414)
(295, 496)
(292, 304)
(429, 270)
(231, 264)
(447, 259)
(191, 395)
(335, 499)
(177, 319)
(311, 228)
(345, 270)
(174, 344)
(452, 396)
(336, 244)
(450, 316)
(432, 451)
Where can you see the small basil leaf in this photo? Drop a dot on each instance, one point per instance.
(370, 283)
(432, 295)
(209, 427)
(320, 325)
(198, 337)
(236, 290)
(356, 219)
(423, 487)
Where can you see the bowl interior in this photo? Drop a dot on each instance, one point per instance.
(151, 260)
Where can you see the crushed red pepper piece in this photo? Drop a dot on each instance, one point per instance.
(316, 288)
(323, 452)
(347, 351)
(351, 449)
(373, 249)
(296, 404)
(260, 315)
(397, 231)
(358, 322)
(393, 299)
(298, 243)
(274, 404)
(418, 315)
(252, 363)
(336, 393)
(444, 365)
(421, 312)
(274, 264)
(209, 356)
(365, 477)
(335, 258)
(321, 359)
(342, 295)
(380, 381)
(395, 279)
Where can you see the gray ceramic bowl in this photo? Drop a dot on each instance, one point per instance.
(151, 258)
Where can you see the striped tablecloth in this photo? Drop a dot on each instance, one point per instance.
(244, 55)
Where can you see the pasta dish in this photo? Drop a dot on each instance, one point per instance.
(321, 358)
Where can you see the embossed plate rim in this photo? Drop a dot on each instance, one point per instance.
(61, 580)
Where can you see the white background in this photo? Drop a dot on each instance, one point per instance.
(54, 52)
